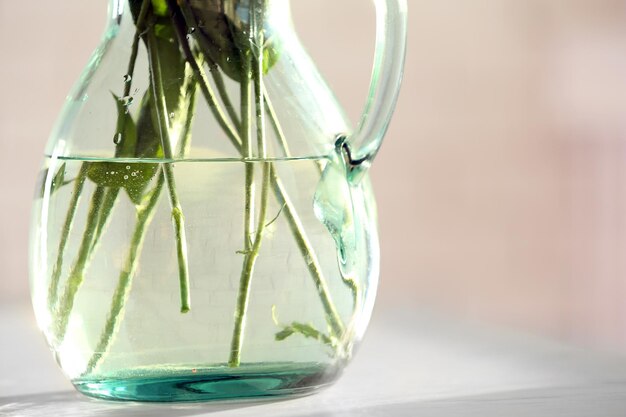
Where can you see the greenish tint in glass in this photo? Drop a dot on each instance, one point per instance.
(249, 381)
(198, 232)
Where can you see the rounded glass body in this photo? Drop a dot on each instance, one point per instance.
(211, 269)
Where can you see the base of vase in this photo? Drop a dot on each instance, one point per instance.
(209, 384)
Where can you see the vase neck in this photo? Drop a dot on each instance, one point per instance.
(276, 10)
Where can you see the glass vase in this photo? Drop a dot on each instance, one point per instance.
(204, 227)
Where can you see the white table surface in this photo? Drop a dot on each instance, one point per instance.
(410, 364)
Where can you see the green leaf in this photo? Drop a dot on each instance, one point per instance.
(133, 177)
(148, 146)
(159, 7)
(306, 330)
(142, 139)
(283, 334)
(125, 137)
(225, 37)
(117, 175)
(175, 74)
(144, 173)
(271, 54)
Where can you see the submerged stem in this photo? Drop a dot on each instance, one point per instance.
(77, 273)
(246, 139)
(79, 185)
(253, 253)
(297, 228)
(106, 209)
(100, 210)
(307, 252)
(177, 214)
(145, 214)
(144, 217)
(295, 224)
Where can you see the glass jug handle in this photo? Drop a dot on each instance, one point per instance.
(360, 148)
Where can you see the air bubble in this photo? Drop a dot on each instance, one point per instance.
(125, 177)
(127, 78)
(117, 139)
(127, 166)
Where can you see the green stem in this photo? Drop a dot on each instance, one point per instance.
(278, 131)
(307, 252)
(243, 297)
(301, 239)
(179, 22)
(97, 218)
(79, 185)
(295, 224)
(77, 273)
(205, 44)
(351, 283)
(248, 153)
(144, 218)
(145, 215)
(185, 144)
(140, 25)
(106, 209)
(218, 79)
(252, 254)
(177, 214)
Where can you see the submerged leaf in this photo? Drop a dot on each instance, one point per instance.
(142, 140)
(131, 176)
(283, 334)
(134, 177)
(306, 330)
(147, 146)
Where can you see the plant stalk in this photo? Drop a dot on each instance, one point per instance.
(106, 209)
(179, 20)
(251, 255)
(218, 79)
(77, 273)
(79, 185)
(145, 215)
(278, 131)
(295, 224)
(307, 252)
(177, 214)
(246, 139)
(97, 218)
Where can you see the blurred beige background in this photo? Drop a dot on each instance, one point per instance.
(501, 188)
